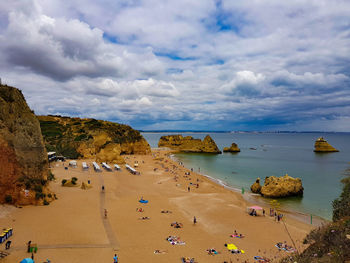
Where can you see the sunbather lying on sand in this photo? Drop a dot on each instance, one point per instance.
(139, 209)
(176, 225)
(157, 251)
(166, 212)
(261, 259)
(174, 240)
(212, 251)
(144, 218)
(188, 260)
(285, 247)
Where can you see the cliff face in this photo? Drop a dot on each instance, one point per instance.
(233, 148)
(279, 187)
(23, 158)
(189, 144)
(321, 145)
(90, 138)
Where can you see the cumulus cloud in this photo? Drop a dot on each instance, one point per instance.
(183, 64)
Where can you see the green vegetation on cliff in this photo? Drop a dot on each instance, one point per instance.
(330, 243)
(75, 137)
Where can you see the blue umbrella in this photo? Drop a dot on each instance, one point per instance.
(27, 260)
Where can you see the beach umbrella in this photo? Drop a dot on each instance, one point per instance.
(255, 207)
(27, 260)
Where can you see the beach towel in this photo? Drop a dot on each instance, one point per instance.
(187, 260)
(234, 249)
(261, 259)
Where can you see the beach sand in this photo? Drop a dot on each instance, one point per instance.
(74, 228)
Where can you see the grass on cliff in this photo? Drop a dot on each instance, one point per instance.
(64, 135)
(330, 243)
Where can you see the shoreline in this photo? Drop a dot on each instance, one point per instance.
(256, 198)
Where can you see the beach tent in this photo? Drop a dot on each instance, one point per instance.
(255, 207)
(27, 260)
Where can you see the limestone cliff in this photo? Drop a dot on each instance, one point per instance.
(233, 148)
(189, 144)
(23, 158)
(256, 187)
(90, 138)
(275, 187)
(321, 145)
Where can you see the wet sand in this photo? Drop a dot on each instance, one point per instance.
(74, 228)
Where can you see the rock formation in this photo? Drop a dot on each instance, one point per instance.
(256, 187)
(89, 138)
(189, 144)
(321, 145)
(23, 158)
(275, 187)
(233, 149)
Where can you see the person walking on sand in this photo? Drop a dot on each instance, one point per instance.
(106, 213)
(28, 246)
(115, 258)
(194, 220)
(8, 244)
(188, 189)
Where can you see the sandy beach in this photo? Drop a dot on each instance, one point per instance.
(74, 227)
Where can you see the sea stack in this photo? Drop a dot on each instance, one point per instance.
(256, 187)
(23, 158)
(322, 146)
(233, 149)
(189, 144)
(276, 187)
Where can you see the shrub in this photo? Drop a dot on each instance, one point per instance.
(63, 181)
(46, 202)
(8, 199)
(37, 196)
(28, 185)
(51, 176)
(38, 188)
(341, 204)
(81, 137)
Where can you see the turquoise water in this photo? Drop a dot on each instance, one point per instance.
(276, 154)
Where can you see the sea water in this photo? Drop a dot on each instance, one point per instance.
(267, 154)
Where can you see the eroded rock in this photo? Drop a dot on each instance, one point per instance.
(189, 144)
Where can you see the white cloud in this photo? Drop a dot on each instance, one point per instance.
(210, 63)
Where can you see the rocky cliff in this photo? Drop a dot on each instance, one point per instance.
(321, 145)
(256, 187)
(90, 138)
(23, 158)
(189, 144)
(275, 187)
(233, 148)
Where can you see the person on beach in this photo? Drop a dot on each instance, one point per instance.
(8, 244)
(105, 213)
(263, 212)
(103, 188)
(188, 189)
(28, 246)
(194, 220)
(115, 258)
(32, 256)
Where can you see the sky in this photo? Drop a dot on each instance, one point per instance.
(253, 65)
